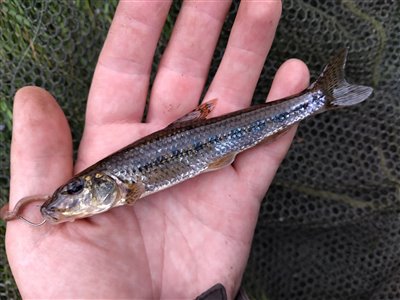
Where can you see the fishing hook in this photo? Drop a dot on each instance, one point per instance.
(31, 223)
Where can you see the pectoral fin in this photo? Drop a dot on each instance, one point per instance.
(199, 113)
(134, 191)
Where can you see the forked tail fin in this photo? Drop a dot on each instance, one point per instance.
(335, 87)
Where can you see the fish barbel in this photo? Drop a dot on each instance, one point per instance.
(193, 145)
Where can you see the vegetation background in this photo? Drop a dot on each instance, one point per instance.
(329, 227)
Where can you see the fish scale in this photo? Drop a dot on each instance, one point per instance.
(199, 146)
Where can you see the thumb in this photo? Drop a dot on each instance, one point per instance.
(41, 147)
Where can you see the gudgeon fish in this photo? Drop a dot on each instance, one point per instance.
(193, 145)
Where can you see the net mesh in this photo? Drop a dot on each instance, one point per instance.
(329, 226)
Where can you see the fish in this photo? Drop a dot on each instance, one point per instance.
(195, 144)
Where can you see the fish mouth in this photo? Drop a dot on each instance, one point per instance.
(51, 214)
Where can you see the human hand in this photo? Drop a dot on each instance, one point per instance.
(181, 241)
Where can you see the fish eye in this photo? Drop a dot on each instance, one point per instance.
(75, 186)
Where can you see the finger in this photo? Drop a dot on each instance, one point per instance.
(249, 42)
(41, 147)
(120, 83)
(258, 165)
(183, 70)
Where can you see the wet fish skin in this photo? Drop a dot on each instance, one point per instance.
(194, 145)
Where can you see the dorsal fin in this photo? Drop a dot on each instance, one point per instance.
(199, 113)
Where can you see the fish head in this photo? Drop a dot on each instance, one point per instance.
(81, 197)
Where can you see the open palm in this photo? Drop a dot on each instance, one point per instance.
(181, 241)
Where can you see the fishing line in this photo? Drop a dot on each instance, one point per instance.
(31, 223)
(7, 215)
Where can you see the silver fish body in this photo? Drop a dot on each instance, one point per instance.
(183, 152)
(194, 145)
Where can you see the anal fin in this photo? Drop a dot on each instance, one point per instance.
(222, 162)
(199, 113)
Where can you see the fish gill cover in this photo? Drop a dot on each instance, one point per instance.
(329, 227)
